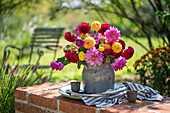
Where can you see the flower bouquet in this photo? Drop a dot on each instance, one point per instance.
(101, 45)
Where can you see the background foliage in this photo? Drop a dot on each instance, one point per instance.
(144, 24)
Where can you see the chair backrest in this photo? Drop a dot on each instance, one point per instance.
(46, 37)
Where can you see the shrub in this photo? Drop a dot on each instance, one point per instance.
(11, 78)
(153, 68)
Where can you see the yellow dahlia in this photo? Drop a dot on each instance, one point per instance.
(106, 46)
(101, 48)
(81, 56)
(96, 25)
(89, 42)
(116, 47)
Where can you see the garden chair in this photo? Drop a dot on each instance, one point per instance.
(42, 38)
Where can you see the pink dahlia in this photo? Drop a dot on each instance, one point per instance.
(57, 66)
(119, 63)
(112, 34)
(93, 56)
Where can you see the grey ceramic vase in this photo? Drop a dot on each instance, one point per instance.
(98, 79)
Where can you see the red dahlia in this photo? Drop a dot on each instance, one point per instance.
(122, 43)
(84, 27)
(128, 53)
(69, 37)
(72, 56)
(117, 55)
(103, 28)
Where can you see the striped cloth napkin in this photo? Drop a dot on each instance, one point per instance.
(117, 96)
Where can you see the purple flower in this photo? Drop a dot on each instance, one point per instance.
(77, 32)
(96, 37)
(80, 42)
(112, 34)
(119, 63)
(93, 56)
(58, 66)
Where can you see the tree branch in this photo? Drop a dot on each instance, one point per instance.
(137, 42)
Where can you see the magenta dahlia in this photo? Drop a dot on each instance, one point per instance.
(80, 42)
(77, 32)
(57, 66)
(119, 63)
(112, 34)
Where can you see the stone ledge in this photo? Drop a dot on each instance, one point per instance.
(45, 98)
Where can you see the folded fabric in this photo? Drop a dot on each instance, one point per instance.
(117, 96)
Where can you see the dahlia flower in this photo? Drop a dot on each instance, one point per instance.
(77, 32)
(96, 25)
(119, 63)
(72, 56)
(84, 27)
(122, 43)
(81, 56)
(103, 28)
(101, 48)
(89, 42)
(112, 34)
(96, 37)
(108, 52)
(79, 42)
(69, 37)
(106, 46)
(57, 66)
(128, 53)
(117, 47)
(93, 56)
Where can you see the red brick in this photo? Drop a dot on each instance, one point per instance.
(74, 106)
(166, 99)
(162, 108)
(120, 109)
(137, 104)
(44, 98)
(20, 93)
(28, 108)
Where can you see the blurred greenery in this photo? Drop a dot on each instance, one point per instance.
(17, 25)
(18, 19)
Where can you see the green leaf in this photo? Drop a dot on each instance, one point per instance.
(107, 59)
(66, 62)
(110, 57)
(62, 59)
(80, 63)
(83, 49)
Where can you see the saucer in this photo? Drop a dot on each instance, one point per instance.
(66, 91)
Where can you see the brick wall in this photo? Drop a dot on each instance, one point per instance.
(45, 98)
